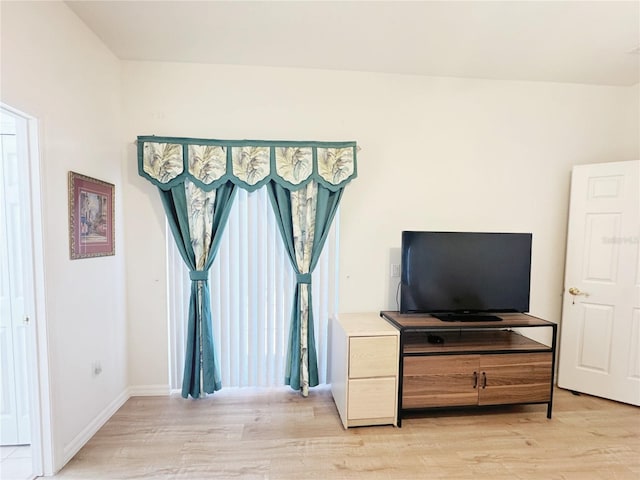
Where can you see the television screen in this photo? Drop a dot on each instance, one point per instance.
(465, 273)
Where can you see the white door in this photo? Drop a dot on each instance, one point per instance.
(14, 397)
(600, 330)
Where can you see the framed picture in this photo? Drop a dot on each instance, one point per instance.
(91, 217)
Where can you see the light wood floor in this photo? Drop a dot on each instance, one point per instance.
(277, 434)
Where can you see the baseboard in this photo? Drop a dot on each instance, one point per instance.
(90, 430)
(149, 390)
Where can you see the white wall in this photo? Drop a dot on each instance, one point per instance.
(54, 69)
(437, 153)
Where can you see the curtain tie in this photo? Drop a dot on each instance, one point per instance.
(303, 278)
(196, 275)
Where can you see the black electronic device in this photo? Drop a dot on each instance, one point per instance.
(437, 339)
(465, 276)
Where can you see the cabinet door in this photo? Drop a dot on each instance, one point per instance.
(371, 398)
(515, 378)
(441, 380)
(373, 356)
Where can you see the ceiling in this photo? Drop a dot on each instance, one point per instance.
(557, 41)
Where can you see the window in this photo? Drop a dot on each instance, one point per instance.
(252, 285)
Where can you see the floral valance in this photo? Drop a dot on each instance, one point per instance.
(167, 161)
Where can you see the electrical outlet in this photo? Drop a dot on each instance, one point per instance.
(395, 270)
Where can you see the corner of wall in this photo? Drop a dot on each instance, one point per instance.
(74, 446)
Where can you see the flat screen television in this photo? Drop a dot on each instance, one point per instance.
(465, 276)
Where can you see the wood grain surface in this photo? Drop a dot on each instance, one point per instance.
(277, 434)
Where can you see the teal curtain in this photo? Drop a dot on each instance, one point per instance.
(197, 219)
(197, 179)
(304, 218)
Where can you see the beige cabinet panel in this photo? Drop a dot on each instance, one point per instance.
(372, 398)
(373, 356)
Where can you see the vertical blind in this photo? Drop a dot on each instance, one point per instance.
(252, 285)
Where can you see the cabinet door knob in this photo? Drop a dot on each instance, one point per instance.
(475, 379)
(484, 380)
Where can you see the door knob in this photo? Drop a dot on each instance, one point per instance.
(576, 291)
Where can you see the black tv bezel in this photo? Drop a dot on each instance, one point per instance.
(466, 313)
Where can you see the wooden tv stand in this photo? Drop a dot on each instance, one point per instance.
(477, 364)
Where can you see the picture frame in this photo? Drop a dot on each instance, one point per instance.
(91, 217)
